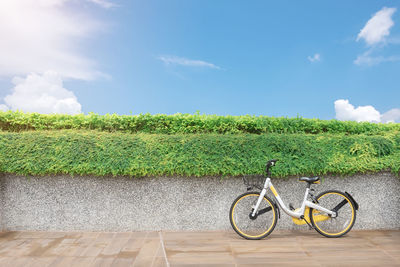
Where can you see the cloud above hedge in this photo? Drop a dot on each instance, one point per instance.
(43, 40)
(43, 94)
(347, 112)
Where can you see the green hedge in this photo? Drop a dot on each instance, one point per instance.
(187, 123)
(79, 152)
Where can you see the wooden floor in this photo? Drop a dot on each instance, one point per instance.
(358, 248)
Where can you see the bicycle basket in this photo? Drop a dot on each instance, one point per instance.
(253, 181)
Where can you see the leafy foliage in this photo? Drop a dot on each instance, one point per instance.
(82, 152)
(187, 124)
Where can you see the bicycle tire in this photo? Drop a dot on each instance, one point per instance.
(323, 201)
(267, 204)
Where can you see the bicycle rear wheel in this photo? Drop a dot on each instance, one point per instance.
(333, 226)
(257, 227)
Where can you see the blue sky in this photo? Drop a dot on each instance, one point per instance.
(275, 58)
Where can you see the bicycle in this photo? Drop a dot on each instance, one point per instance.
(253, 215)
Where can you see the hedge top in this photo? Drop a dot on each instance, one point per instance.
(81, 152)
(187, 124)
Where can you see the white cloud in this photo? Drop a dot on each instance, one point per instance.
(347, 112)
(103, 3)
(378, 27)
(174, 60)
(42, 93)
(41, 35)
(375, 32)
(392, 115)
(316, 57)
(369, 60)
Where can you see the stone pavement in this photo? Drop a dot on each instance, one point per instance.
(297, 248)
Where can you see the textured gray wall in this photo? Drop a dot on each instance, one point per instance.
(123, 204)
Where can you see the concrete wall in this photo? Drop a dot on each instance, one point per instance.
(123, 204)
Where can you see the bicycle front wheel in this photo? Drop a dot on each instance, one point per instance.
(333, 226)
(247, 226)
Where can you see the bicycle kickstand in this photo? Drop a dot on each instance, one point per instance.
(309, 225)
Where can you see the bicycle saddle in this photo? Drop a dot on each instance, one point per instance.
(311, 180)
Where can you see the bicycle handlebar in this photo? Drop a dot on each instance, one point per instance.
(270, 164)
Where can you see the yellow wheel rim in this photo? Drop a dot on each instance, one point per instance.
(316, 214)
(234, 222)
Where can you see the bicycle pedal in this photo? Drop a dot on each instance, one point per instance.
(291, 206)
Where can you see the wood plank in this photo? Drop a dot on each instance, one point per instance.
(358, 248)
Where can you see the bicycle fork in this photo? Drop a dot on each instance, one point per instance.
(260, 197)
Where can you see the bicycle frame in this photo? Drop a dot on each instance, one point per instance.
(296, 214)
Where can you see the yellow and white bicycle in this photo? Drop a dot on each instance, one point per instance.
(253, 215)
